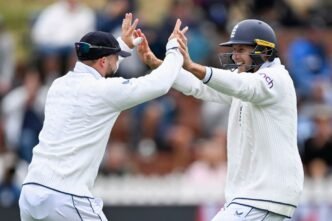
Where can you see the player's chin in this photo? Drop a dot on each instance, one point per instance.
(241, 69)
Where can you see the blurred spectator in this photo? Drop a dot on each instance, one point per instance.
(238, 10)
(149, 161)
(199, 44)
(188, 112)
(23, 114)
(9, 190)
(208, 172)
(7, 59)
(313, 211)
(151, 120)
(216, 11)
(320, 97)
(58, 26)
(325, 11)
(110, 16)
(122, 127)
(214, 117)
(116, 159)
(209, 167)
(308, 59)
(50, 68)
(275, 12)
(317, 153)
(3, 147)
(180, 140)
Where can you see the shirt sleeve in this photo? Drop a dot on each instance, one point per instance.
(126, 93)
(188, 84)
(124, 47)
(261, 88)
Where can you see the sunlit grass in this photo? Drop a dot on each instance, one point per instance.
(18, 14)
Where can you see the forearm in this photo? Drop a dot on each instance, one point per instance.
(197, 70)
(155, 63)
(171, 65)
(150, 86)
(190, 85)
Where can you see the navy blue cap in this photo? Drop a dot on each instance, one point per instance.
(98, 44)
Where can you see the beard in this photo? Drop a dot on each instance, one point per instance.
(112, 71)
(110, 74)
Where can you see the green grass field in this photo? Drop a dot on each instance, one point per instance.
(18, 13)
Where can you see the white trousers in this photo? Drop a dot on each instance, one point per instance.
(38, 203)
(236, 212)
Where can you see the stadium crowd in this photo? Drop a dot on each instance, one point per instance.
(175, 133)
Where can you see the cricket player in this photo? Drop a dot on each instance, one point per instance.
(265, 174)
(80, 111)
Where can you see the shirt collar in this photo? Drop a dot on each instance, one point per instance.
(267, 64)
(83, 68)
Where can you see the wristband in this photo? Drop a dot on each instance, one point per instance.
(172, 44)
(208, 75)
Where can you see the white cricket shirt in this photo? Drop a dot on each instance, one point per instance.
(264, 166)
(81, 109)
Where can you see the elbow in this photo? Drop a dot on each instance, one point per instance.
(164, 89)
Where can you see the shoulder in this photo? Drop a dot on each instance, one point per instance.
(274, 70)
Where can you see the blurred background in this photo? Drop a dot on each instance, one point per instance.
(165, 159)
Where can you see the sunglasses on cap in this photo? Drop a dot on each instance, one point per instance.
(85, 47)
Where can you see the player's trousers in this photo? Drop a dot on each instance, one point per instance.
(44, 204)
(236, 212)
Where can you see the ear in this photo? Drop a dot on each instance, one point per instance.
(102, 61)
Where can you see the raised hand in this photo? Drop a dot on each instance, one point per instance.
(144, 52)
(196, 69)
(176, 30)
(128, 30)
(183, 42)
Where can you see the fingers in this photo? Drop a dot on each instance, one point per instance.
(139, 33)
(183, 52)
(177, 25)
(182, 44)
(134, 25)
(126, 23)
(181, 35)
(145, 40)
(184, 30)
(135, 34)
(141, 41)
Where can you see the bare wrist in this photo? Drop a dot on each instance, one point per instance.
(196, 69)
(127, 42)
(156, 63)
